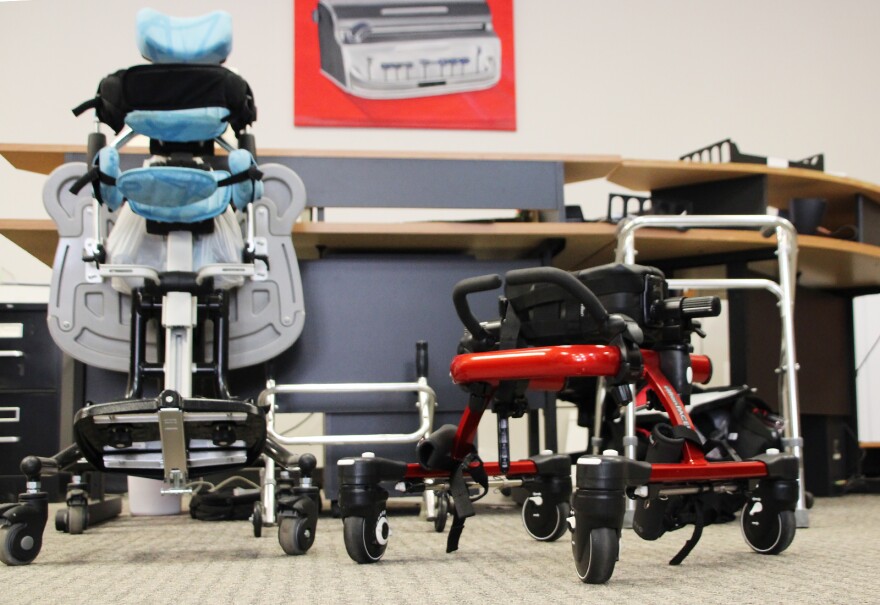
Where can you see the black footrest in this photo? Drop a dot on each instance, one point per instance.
(125, 436)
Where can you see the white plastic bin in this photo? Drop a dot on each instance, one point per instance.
(145, 498)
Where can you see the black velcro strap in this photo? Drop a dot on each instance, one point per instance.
(510, 329)
(91, 176)
(722, 444)
(461, 497)
(454, 533)
(463, 508)
(695, 537)
(478, 473)
(251, 174)
(687, 433)
(86, 105)
(106, 178)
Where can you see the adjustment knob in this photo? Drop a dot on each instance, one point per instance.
(307, 464)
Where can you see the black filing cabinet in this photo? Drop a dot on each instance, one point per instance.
(30, 387)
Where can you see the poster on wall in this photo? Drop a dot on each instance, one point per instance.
(404, 64)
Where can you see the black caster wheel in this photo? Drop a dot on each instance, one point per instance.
(17, 545)
(596, 563)
(77, 519)
(809, 500)
(766, 532)
(442, 512)
(257, 519)
(366, 539)
(61, 520)
(545, 522)
(296, 535)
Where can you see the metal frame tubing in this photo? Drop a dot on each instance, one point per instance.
(786, 253)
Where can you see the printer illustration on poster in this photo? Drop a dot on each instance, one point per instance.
(394, 51)
(404, 63)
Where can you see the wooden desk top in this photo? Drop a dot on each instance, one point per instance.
(44, 159)
(783, 184)
(823, 262)
(638, 175)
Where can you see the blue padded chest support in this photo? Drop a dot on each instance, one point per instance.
(180, 125)
(165, 39)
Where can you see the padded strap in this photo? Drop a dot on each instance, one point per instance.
(245, 180)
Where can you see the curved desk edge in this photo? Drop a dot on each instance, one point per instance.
(823, 262)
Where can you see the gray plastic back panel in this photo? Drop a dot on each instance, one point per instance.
(91, 322)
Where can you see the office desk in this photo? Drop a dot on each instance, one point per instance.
(823, 262)
(830, 270)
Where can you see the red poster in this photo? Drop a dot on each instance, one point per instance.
(404, 64)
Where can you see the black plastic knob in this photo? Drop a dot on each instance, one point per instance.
(307, 464)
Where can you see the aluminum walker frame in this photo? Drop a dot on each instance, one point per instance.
(784, 291)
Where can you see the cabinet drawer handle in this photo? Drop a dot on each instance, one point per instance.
(10, 439)
(9, 353)
(10, 414)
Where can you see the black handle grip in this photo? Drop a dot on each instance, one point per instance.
(566, 281)
(96, 142)
(691, 307)
(701, 306)
(472, 285)
(422, 359)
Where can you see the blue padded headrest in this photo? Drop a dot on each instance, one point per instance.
(164, 39)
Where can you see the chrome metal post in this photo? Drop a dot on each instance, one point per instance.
(786, 253)
(178, 321)
(268, 486)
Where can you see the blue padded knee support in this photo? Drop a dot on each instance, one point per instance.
(172, 194)
(167, 186)
(248, 191)
(108, 163)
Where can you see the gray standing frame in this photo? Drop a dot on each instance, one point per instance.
(90, 321)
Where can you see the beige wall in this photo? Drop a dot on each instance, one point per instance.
(634, 77)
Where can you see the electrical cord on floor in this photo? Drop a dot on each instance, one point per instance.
(202, 483)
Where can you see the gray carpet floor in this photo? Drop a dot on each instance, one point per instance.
(179, 560)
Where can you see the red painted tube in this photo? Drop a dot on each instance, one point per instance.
(707, 471)
(466, 433)
(702, 368)
(541, 364)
